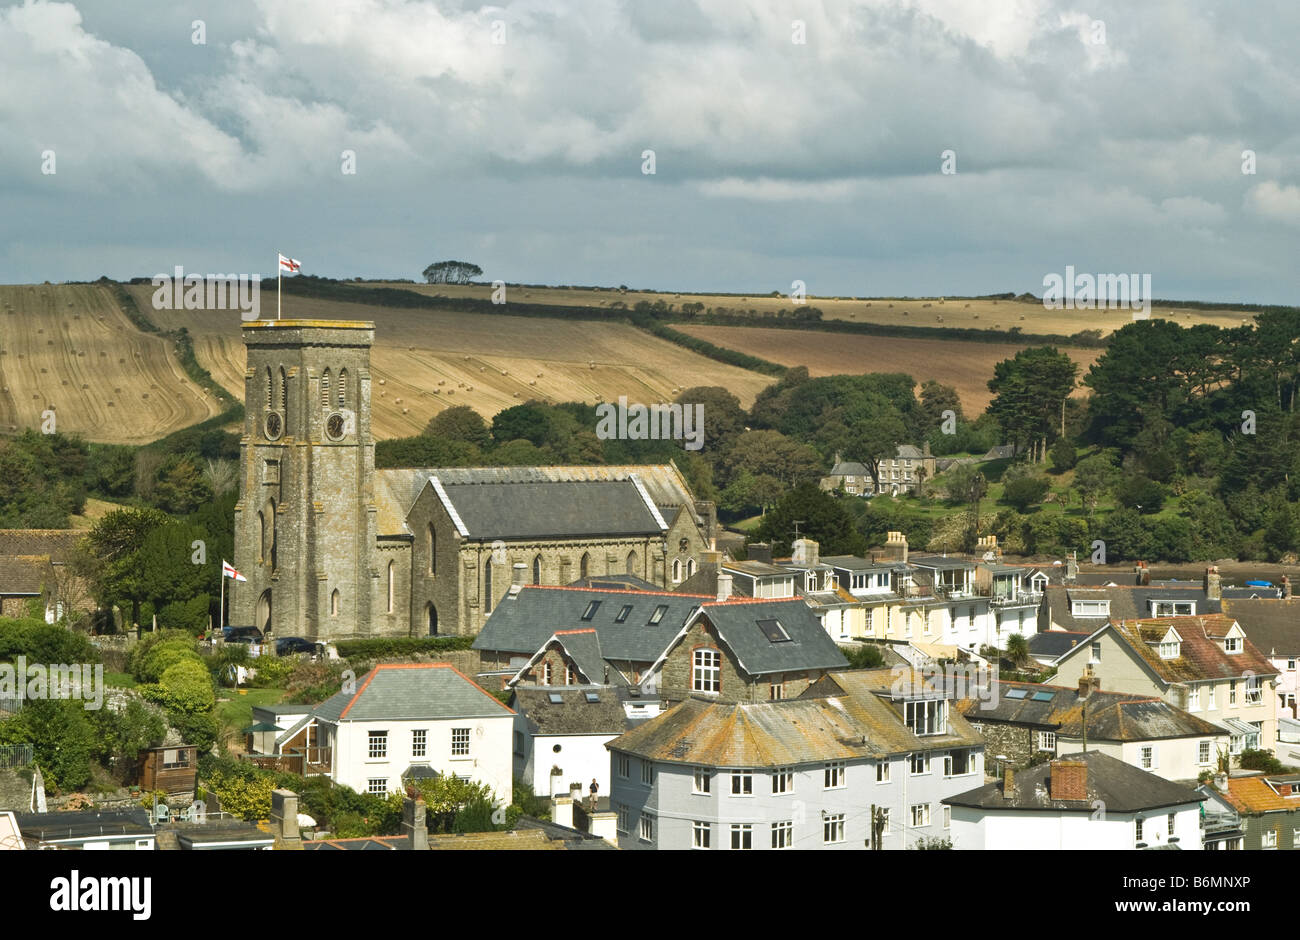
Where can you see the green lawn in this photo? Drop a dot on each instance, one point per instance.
(238, 712)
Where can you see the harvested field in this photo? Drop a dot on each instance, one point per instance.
(895, 311)
(428, 360)
(966, 366)
(70, 349)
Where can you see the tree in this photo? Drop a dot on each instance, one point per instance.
(181, 486)
(451, 272)
(459, 423)
(1063, 456)
(1093, 479)
(723, 416)
(772, 454)
(112, 562)
(1029, 393)
(62, 739)
(527, 422)
(820, 516)
(935, 400)
(1025, 491)
(1017, 649)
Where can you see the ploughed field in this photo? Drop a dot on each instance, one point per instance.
(69, 349)
(967, 366)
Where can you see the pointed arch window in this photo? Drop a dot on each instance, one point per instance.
(584, 565)
(270, 389)
(487, 586)
(537, 568)
(334, 603)
(325, 389)
(390, 587)
(343, 388)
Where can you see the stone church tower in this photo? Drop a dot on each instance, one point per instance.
(305, 527)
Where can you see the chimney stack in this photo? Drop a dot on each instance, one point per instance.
(1067, 780)
(759, 551)
(1008, 783)
(724, 585)
(1072, 567)
(1213, 583)
(284, 817)
(1085, 685)
(1221, 782)
(1143, 574)
(1286, 588)
(710, 560)
(896, 546)
(805, 552)
(414, 826)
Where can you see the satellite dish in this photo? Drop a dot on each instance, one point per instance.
(478, 730)
(989, 556)
(305, 821)
(1056, 564)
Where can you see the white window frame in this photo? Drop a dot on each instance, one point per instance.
(783, 834)
(742, 833)
(949, 763)
(1147, 757)
(782, 780)
(1232, 644)
(647, 773)
(1047, 741)
(924, 758)
(379, 790)
(645, 829)
(947, 816)
(701, 781)
(1194, 698)
(706, 671)
(420, 742)
(1204, 755)
(624, 817)
(742, 783)
(1268, 839)
(701, 834)
(376, 745)
(882, 771)
(921, 811)
(1137, 829)
(833, 829)
(833, 775)
(1254, 691)
(460, 738)
(925, 717)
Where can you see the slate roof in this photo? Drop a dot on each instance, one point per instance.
(849, 468)
(1122, 787)
(551, 510)
(571, 839)
(616, 582)
(782, 733)
(57, 544)
(71, 824)
(574, 714)
(521, 624)
(1127, 602)
(24, 575)
(1055, 643)
(412, 691)
(1272, 624)
(396, 489)
(1112, 716)
(361, 844)
(809, 646)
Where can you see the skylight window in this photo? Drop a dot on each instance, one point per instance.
(592, 698)
(622, 614)
(1043, 696)
(1016, 693)
(591, 610)
(556, 698)
(658, 614)
(773, 630)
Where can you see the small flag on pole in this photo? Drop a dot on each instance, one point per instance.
(288, 264)
(228, 571)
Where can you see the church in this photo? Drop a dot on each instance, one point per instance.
(334, 549)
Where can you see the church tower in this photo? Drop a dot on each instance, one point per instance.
(305, 522)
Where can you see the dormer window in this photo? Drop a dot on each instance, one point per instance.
(1232, 644)
(1169, 650)
(1090, 608)
(1173, 608)
(926, 717)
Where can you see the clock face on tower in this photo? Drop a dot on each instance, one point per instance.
(274, 426)
(335, 427)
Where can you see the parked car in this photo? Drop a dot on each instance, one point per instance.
(242, 635)
(291, 645)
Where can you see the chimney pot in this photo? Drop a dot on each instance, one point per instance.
(724, 585)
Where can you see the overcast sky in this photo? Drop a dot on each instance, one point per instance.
(774, 160)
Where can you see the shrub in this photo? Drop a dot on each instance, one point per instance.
(375, 647)
(867, 656)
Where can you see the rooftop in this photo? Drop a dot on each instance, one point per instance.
(412, 691)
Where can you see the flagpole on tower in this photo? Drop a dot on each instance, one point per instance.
(279, 273)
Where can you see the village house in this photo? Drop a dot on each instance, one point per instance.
(905, 472)
(1204, 665)
(35, 567)
(1273, 625)
(1080, 801)
(806, 773)
(560, 735)
(1269, 808)
(1026, 722)
(411, 720)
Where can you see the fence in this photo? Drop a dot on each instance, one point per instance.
(14, 756)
